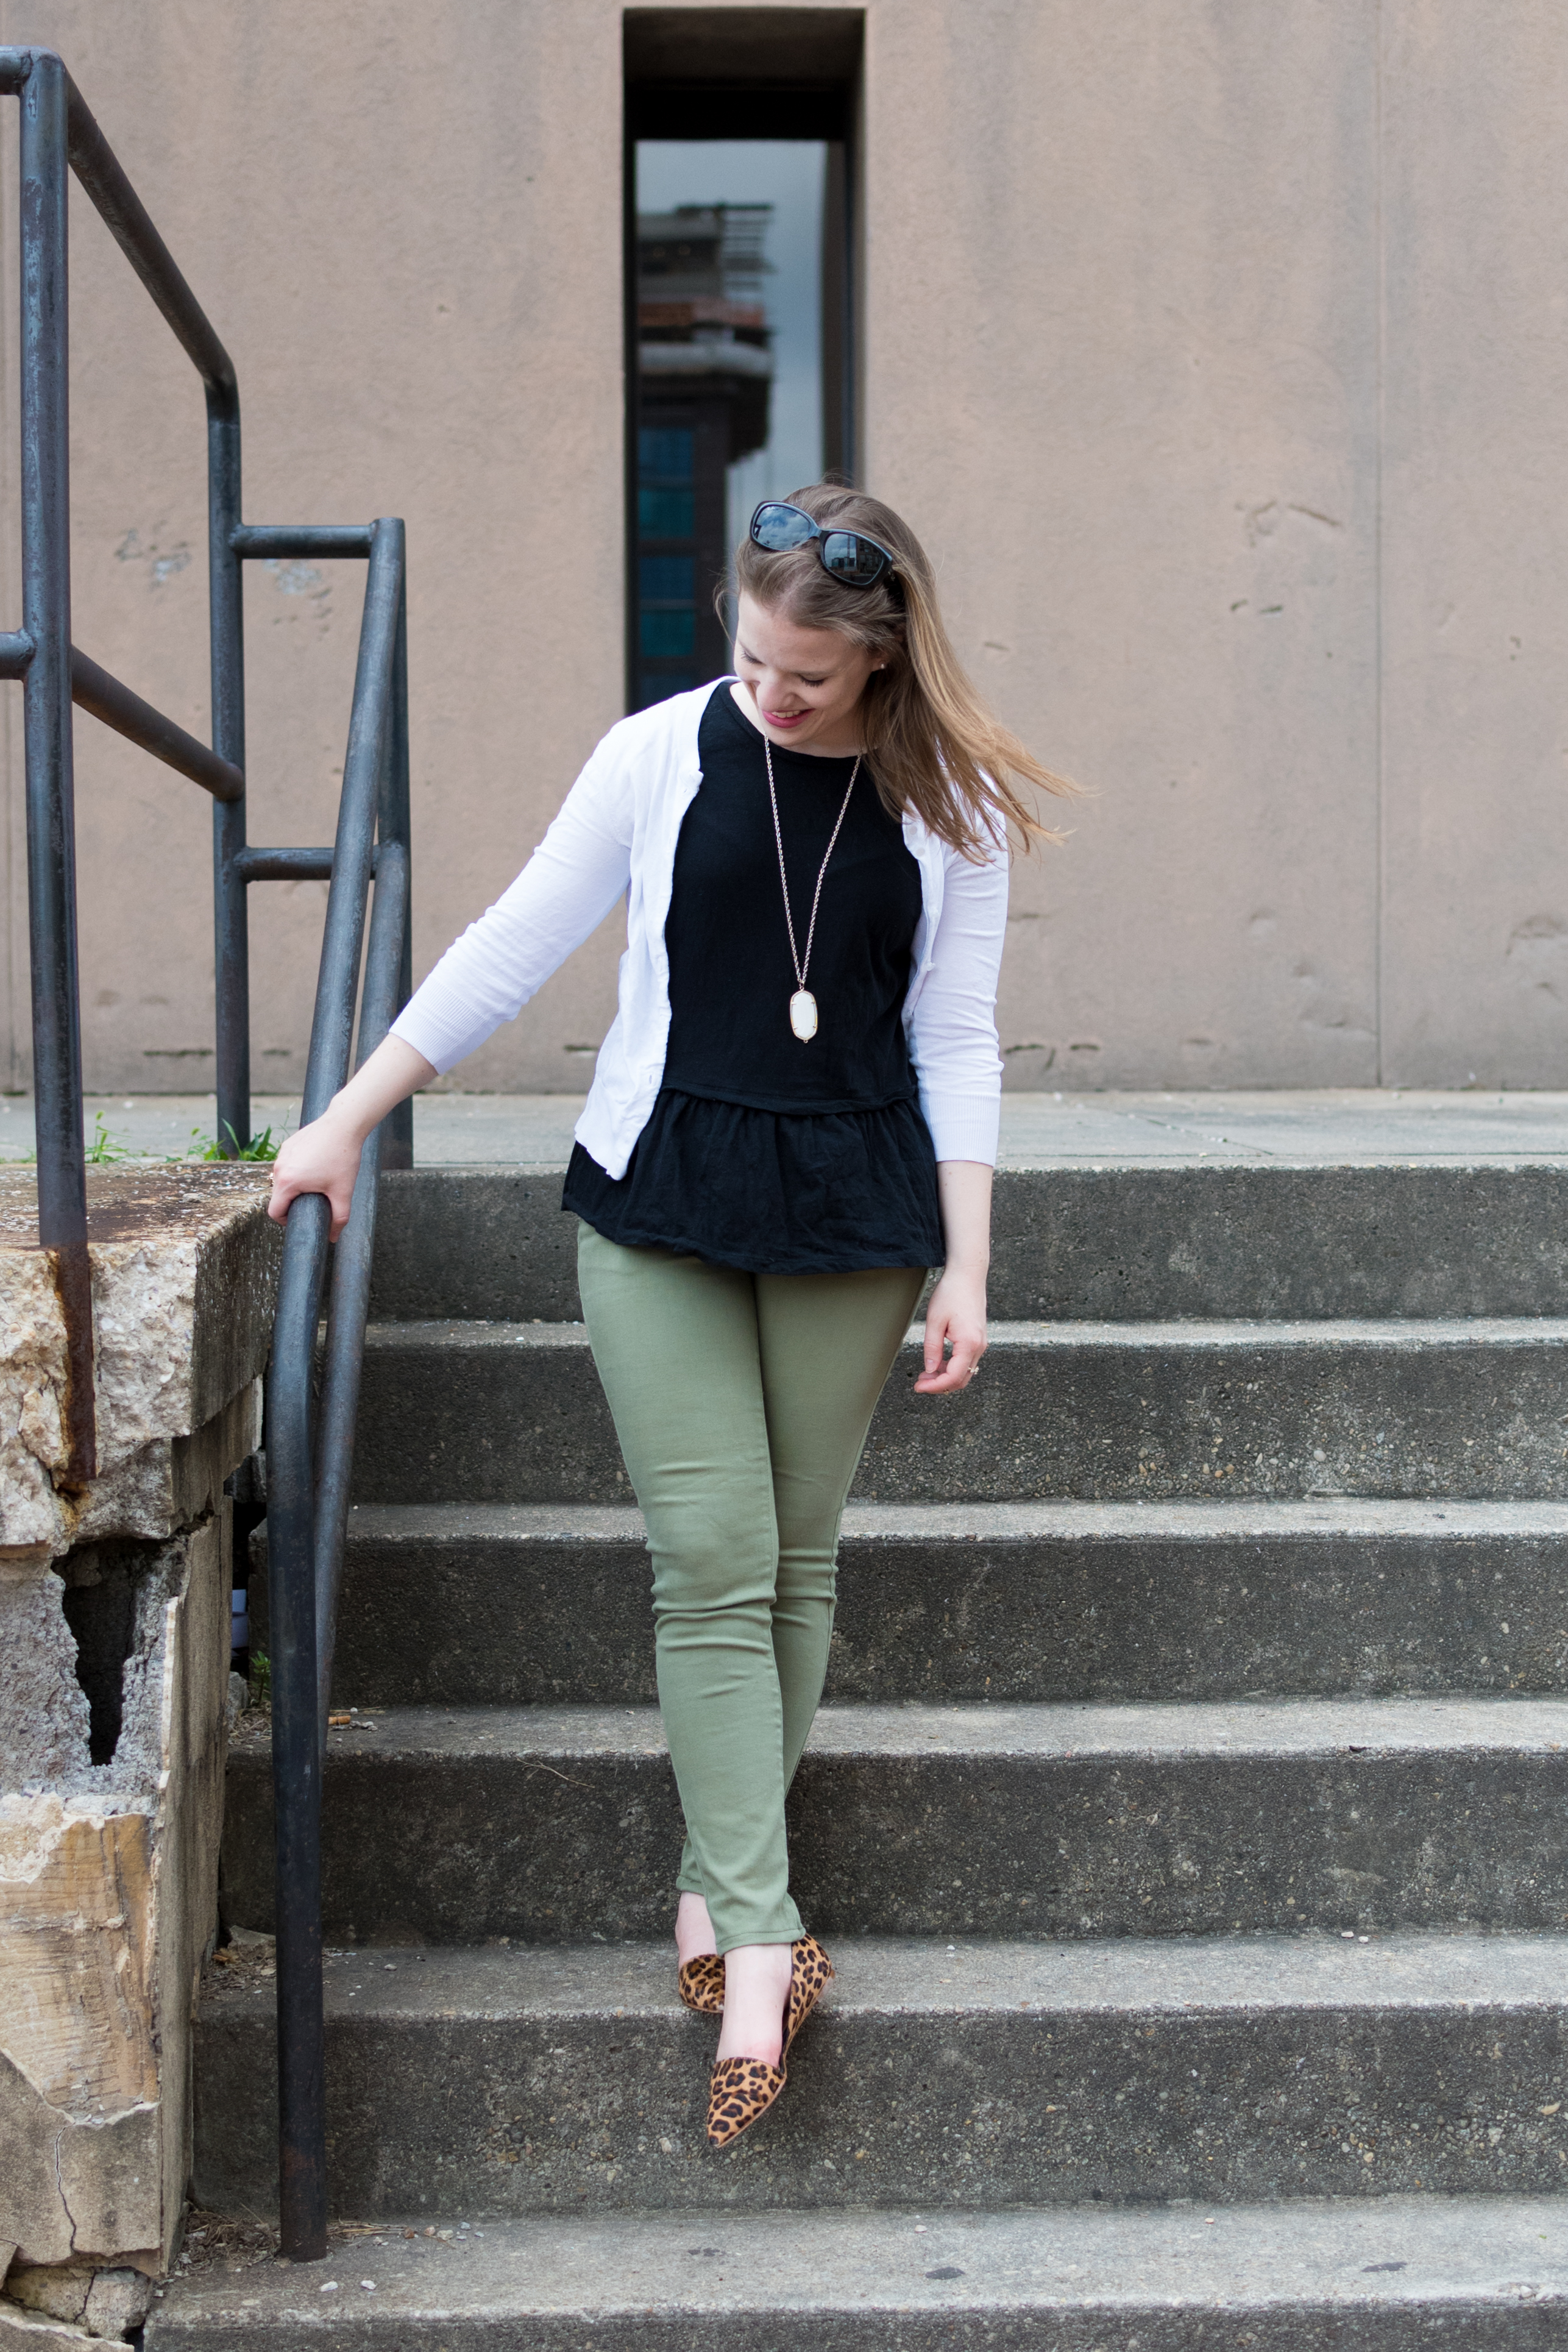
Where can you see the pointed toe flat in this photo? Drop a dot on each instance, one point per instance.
(741, 2090)
(700, 1984)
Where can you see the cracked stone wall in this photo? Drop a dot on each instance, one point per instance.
(114, 1643)
(183, 1291)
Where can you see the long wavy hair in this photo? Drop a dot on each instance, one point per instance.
(931, 743)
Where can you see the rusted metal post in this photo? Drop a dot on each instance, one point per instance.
(46, 730)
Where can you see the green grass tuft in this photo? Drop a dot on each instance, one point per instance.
(264, 1147)
(106, 1150)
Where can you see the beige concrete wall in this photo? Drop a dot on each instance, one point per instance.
(1475, 503)
(1215, 345)
(1131, 400)
(409, 235)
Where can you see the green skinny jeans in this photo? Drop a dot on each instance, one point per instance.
(741, 1401)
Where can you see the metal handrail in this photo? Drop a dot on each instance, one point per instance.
(309, 1467)
(307, 1471)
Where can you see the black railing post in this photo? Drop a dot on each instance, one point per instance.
(127, 222)
(47, 702)
(300, 1569)
(354, 850)
(396, 825)
(231, 923)
(351, 1266)
(295, 1757)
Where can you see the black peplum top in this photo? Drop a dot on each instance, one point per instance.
(760, 1151)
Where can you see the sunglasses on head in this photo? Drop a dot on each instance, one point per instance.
(846, 555)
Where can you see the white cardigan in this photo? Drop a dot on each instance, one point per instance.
(616, 832)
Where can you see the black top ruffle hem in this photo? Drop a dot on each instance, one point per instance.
(771, 1191)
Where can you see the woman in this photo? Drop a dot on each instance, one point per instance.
(793, 1116)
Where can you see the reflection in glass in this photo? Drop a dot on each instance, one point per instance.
(730, 376)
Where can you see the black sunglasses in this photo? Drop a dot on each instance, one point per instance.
(846, 555)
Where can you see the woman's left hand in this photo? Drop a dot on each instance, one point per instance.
(955, 1314)
(955, 1311)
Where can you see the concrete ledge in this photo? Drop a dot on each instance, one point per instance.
(555, 1823)
(949, 2074)
(1101, 1412)
(1077, 1243)
(502, 1605)
(1375, 2276)
(1291, 1126)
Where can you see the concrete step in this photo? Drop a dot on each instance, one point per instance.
(1077, 1820)
(498, 1604)
(1078, 1244)
(939, 2075)
(513, 1413)
(1370, 2274)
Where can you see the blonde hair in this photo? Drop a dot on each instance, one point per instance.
(931, 744)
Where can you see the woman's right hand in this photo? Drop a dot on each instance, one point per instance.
(325, 1156)
(322, 1158)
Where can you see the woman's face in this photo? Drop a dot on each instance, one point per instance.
(805, 685)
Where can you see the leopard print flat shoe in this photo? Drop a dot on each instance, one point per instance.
(741, 2090)
(809, 1970)
(700, 1984)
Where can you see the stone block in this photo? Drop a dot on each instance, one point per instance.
(107, 1896)
(102, 2301)
(117, 2301)
(29, 2331)
(114, 1624)
(184, 1276)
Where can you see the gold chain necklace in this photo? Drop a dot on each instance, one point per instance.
(803, 1004)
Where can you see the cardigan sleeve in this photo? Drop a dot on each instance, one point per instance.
(563, 893)
(953, 1028)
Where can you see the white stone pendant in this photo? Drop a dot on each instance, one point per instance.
(803, 1014)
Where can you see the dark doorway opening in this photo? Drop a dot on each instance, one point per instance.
(740, 167)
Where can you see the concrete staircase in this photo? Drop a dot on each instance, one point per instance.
(1186, 1820)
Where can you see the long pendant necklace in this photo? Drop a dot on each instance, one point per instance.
(803, 1004)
